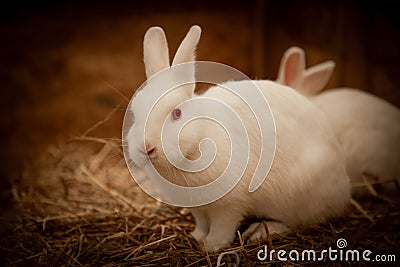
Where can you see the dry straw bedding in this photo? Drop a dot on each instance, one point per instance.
(78, 206)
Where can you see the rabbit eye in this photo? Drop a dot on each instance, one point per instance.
(176, 114)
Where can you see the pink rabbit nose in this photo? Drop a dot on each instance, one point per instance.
(150, 149)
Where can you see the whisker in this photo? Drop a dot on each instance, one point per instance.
(186, 180)
(114, 139)
(93, 139)
(102, 121)
(117, 91)
(110, 157)
(132, 165)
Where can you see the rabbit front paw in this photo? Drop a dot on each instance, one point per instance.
(198, 234)
(212, 245)
(259, 231)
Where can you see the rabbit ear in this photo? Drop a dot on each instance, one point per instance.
(187, 50)
(155, 51)
(187, 53)
(316, 78)
(292, 67)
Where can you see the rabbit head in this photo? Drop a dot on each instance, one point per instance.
(148, 109)
(292, 72)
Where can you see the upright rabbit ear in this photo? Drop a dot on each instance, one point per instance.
(187, 50)
(187, 53)
(292, 67)
(155, 51)
(316, 78)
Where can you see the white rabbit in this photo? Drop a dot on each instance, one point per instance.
(307, 182)
(367, 126)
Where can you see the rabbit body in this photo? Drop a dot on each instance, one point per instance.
(368, 127)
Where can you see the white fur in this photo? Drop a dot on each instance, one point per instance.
(307, 183)
(367, 126)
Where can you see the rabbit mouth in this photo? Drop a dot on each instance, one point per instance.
(150, 157)
(139, 158)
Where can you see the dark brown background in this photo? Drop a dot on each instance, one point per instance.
(60, 60)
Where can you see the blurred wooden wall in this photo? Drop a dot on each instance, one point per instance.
(362, 37)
